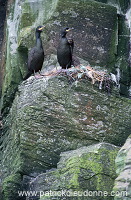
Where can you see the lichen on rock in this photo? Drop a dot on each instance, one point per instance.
(44, 117)
(80, 172)
(122, 186)
(51, 116)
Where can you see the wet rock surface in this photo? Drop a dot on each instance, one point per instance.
(94, 35)
(93, 32)
(123, 181)
(79, 172)
(50, 116)
(2, 32)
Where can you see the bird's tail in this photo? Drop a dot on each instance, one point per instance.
(27, 75)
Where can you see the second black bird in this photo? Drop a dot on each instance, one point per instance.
(65, 50)
(36, 55)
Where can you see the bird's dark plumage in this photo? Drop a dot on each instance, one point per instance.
(36, 55)
(65, 50)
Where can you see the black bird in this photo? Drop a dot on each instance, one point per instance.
(65, 50)
(71, 42)
(36, 55)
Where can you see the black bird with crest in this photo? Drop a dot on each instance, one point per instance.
(36, 55)
(65, 50)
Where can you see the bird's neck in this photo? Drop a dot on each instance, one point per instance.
(63, 35)
(38, 40)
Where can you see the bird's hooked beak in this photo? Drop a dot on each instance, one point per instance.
(70, 29)
(40, 29)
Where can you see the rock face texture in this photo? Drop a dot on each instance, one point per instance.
(44, 117)
(80, 170)
(123, 166)
(2, 23)
(95, 30)
(51, 116)
(93, 42)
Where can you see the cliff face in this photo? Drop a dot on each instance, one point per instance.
(123, 166)
(51, 116)
(93, 42)
(2, 23)
(99, 39)
(44, 117)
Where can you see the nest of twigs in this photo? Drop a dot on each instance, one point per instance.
(101, 79)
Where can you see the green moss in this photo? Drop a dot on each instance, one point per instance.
(89, 168)
(11, 186)
(27, 16)
(113, 42)
(74, 182)
(25, 36)
(85, 171)
(13, 74)
(92, 162)
(72, 171)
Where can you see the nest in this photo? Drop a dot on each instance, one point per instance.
(102, 79)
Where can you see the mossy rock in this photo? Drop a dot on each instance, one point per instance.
(60, 117)
(11, 186)
(122, 186)
(81, 171)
